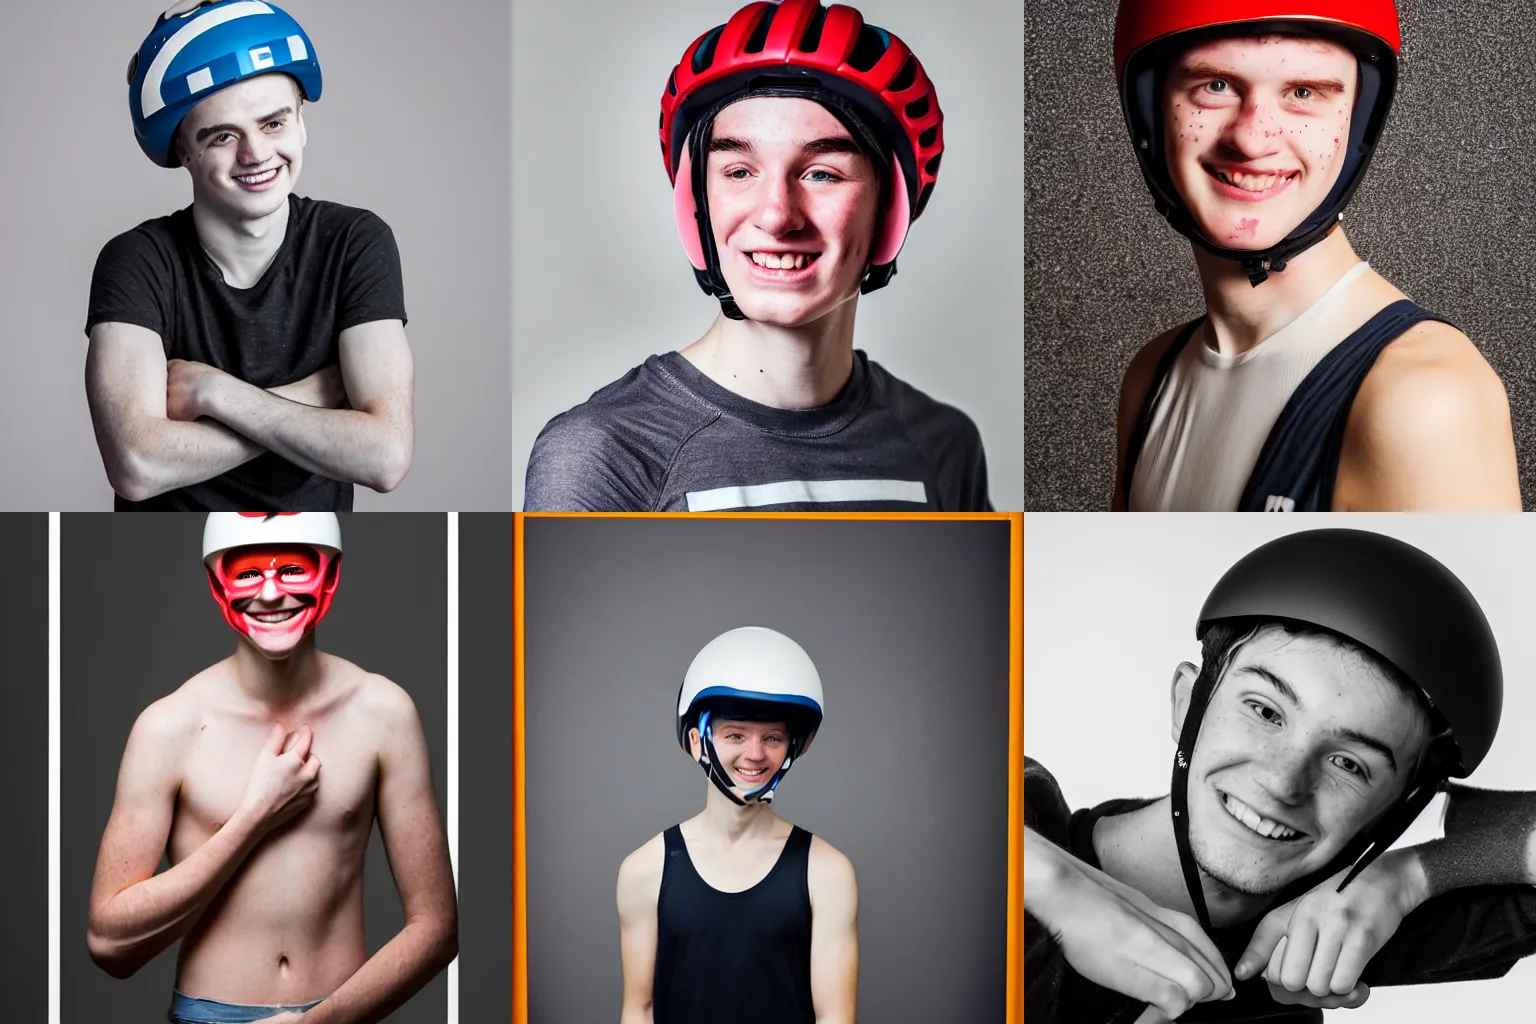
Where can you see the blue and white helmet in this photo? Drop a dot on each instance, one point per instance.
(753, 674)
(194, 51)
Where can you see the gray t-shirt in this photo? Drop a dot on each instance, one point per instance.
(666, 438)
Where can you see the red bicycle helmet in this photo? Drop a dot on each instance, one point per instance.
(863, 74)
(1149, 34)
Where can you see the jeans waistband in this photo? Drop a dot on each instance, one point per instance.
(187, 1009)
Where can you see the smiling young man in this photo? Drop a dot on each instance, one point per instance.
(1344, 678)
(260, 779)
(801, 143)
(248, 351)
(735, 913)
(1311, 383)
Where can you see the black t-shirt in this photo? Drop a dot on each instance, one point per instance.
(337, 267)
(738, 956)
(666, 438)
(1470, 934)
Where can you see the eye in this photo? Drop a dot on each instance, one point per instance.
(1219, 86)
(273, 125)
(1303, 93)
(821, 175)
(247, 575)
(288, 571)
(1265, 712)
(1349, 764)
(221, 138)
(738, 174)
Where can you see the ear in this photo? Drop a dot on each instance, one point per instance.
(303, 131)
(695, 744)
(1183, 686)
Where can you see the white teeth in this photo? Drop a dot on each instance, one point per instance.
(1249, 182)
(780, 261)
(257, 179)
(1263, 826)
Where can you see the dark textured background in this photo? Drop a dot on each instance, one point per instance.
(1443, 213)
(908, 625)
(24, 765)
(136, 620)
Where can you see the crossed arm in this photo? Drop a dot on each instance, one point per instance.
(164, 424)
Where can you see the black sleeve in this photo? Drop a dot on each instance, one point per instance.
(372, 287)
(1469, 934)
(131, 283)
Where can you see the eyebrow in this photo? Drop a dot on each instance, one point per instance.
(1203, 70)
(1285, 690)
(828, 144)
(203, 133)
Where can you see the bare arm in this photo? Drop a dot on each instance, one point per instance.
(417, 849)
(136, 913)
(144, 449)
(834, 934)
(639, 889)
(370, 444)
(1429, 430)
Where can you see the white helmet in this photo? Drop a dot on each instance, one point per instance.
(225, 530)
(754, 674)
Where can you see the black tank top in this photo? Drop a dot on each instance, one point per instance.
(743, 956)
(1299, 463)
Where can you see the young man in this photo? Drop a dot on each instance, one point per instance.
(737, 914)
(1344, 677)
(801, 144)
(248, 351)
(1311, 383)
(259, 779)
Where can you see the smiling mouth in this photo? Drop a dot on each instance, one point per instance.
(1257, 823)
(784, 260)
(271, 618)
(260, 178)
(1251, 181)
(756, 776)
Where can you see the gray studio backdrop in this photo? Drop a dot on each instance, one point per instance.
(137, 620)
(24, 764)
(1444, 212)
(1110, 608)
(413, 124)
(600, 281)
(908, 625)
(485, 756)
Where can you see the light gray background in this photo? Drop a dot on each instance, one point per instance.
(412, 124)
(1444, 212)
(485, 758)
(908, 625)
(600, 280)
(24, 765)
(1111, 603)
(137, 620)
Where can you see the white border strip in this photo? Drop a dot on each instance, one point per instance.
(806, 492)
(54, 725)
(453, 739)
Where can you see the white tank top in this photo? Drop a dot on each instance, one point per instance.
(1216, 411)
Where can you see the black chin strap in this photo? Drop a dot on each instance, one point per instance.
(1178, 794)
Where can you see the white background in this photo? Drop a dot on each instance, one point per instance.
(1110, 608)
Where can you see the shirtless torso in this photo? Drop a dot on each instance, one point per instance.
(264, 810)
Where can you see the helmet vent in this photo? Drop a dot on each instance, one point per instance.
(811, 39)
(922, 198)
(918, 108)
(926, 139)
(760, 34)
(932, 167)
(904, 79)
(672, 83)
(871, 46)
(704, 56)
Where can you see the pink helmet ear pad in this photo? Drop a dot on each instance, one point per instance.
(890, 234)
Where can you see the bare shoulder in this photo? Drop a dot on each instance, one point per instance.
(1432, 377)
(1138, 381)
(828, 866)
(639, 882)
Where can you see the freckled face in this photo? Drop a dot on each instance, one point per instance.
(1256, 132)
(1305, 742)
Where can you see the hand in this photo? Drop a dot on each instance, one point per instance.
(187, 384)
(1115, 936)
(1313, 949)
(283, 782)
(322, 389)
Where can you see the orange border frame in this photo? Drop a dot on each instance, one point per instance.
(1014, 1000)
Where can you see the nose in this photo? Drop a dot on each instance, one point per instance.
(1255, 131)
(255, 148)
(270, 594)
(778, 210)
(1287, 776)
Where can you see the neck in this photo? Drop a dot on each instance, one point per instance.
(800, 367)
(733, 821)
(1139, 848)
(241, 249)
(1240, 315)
(278, 684)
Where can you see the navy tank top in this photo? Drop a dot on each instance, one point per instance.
(1299, 463)
(742, 956)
